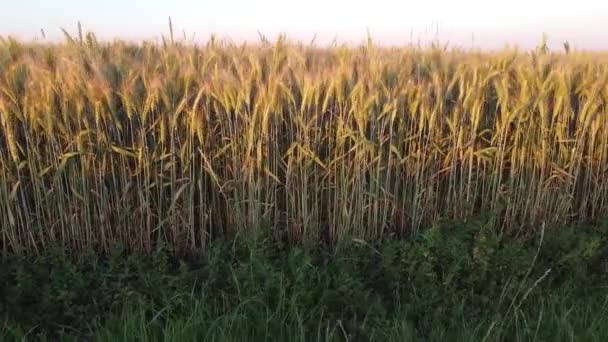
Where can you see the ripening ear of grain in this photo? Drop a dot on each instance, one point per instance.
(105, 144)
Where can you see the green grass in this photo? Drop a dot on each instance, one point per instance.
(452, 282)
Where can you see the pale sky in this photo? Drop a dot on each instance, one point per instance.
(488, 24)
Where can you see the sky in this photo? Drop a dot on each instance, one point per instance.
(486, 24)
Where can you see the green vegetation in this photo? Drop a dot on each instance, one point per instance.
(288, 192)
(452, 282)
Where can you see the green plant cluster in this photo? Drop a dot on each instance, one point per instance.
(453, 281)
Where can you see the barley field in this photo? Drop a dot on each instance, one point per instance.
(105, 143)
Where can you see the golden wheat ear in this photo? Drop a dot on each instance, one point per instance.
(106, 143)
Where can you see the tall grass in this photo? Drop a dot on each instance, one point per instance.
(106, 143)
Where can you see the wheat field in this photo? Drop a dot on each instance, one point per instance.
(105, 143)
